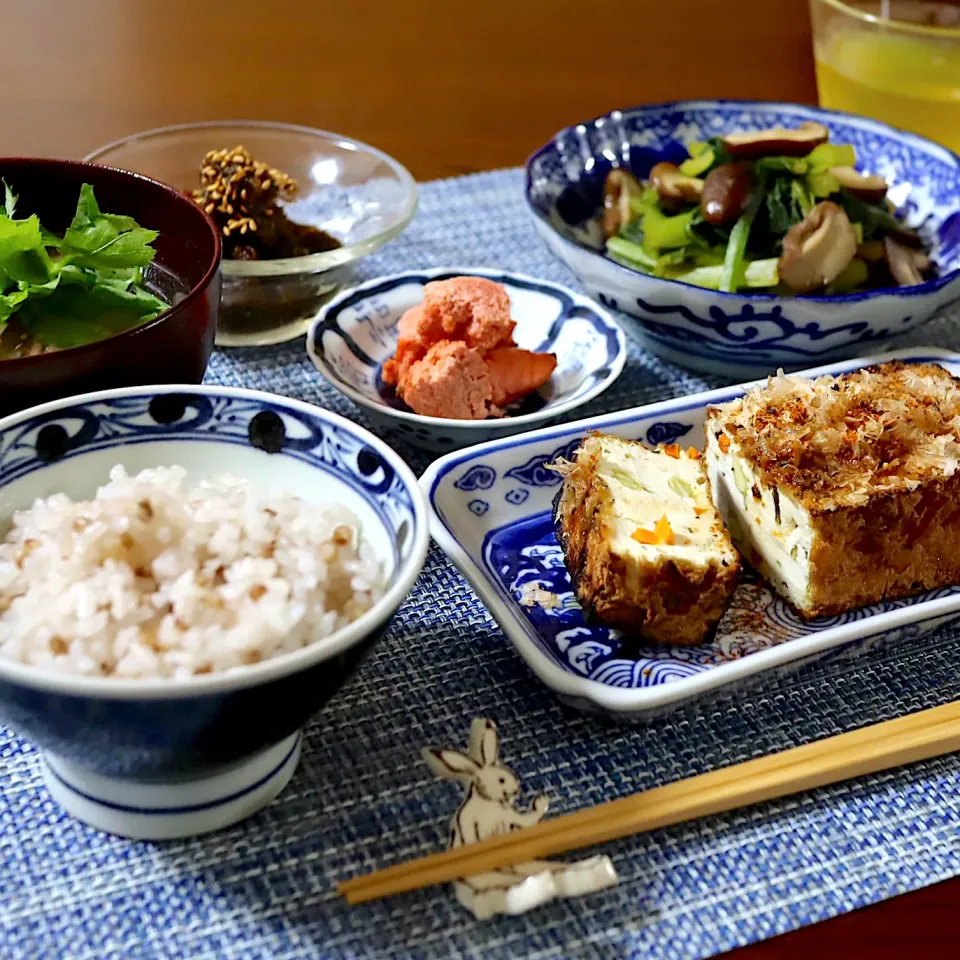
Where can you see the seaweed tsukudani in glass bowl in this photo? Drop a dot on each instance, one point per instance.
(354, 193)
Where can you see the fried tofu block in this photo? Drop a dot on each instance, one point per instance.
(644, 544)
(844, 491)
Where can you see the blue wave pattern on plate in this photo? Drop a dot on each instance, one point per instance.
(667, 432)
(479, 477)
(275, 428)
(525, 554)
(564, 190)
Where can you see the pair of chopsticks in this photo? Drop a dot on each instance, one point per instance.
(918, 736)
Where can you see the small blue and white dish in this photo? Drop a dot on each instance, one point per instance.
(490, 512)
(161, 758)
(356, 333)
(742, 335)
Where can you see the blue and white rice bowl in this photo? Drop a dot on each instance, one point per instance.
(165, 757)
(356, 333)
(741, 335)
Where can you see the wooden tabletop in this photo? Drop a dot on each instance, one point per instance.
(447, 88)
(440, 85)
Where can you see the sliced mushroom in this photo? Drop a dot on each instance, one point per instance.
(671, 184)
(818, 249)
(867, 186)
(903, 266)
(618, 189)
(776, 142)
(726, 192)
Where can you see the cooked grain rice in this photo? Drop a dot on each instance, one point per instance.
(155, 579)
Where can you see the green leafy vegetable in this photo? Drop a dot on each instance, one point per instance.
(640, 205)
(105, 241)
(822, 184)
(9, 200)
(720, 155)
(708, 234)
(667, 262)
(828, 155)
(72, 315)
(82, 287)
(773, 165)
(680, 487)
(782, 206)
(757, 273)
(671, 238)
(733, 268)
(9, 304)
(23, 257)
(662, 232)
(874, 218)
(634, 252)
(633, 232)
(698, 163)
(801, 197)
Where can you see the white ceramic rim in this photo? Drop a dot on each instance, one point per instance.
(506, 423)
(112, 688)
(618, 700)
(314, 262)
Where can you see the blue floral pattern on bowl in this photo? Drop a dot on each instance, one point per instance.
(509, 552)
(355, 334)
(742, 335)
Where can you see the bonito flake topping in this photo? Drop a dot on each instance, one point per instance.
(840, 441)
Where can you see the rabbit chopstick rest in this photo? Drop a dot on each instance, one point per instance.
(488, 810)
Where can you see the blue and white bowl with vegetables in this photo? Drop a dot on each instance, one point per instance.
(745, 236)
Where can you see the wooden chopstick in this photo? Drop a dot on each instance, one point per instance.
(881, 746)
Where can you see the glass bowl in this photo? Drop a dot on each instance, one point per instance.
(357, 194)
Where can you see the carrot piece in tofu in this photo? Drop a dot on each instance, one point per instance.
(672, 450)
(723, 442)
(516, 372)
(664, 531)
(693, 453)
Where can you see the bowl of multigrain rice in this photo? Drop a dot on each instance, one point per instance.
(187, 575)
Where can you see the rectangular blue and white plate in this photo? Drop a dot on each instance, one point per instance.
(491, 514)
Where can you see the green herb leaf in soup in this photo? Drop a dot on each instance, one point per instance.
(9, 200)
(72, 316)
(105, 241)
(58, 292)
(23, 257)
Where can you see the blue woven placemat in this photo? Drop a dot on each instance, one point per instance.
(361, 798)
